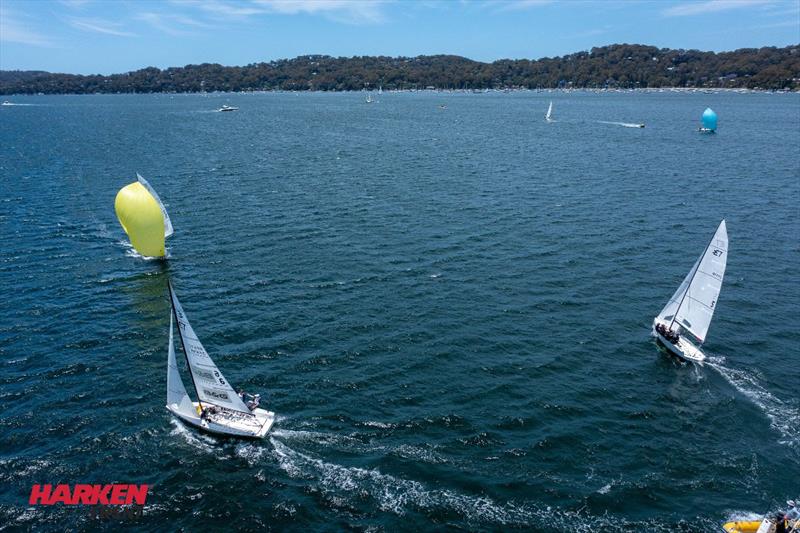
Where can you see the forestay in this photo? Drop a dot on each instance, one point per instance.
(167, 221)
(696, 298)
(176, 392)
(211, 385)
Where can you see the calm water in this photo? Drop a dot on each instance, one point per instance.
(449, 309)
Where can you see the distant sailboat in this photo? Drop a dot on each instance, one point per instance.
(692, 306)
(219, 408)
(380, 89)
(369, 98)
(709, 119)
(549, 116)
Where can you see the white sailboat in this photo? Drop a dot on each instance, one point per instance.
(369, 98)
(691, 308)
(219, 408)
(549, 116)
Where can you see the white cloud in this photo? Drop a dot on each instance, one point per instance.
(171, 24)
(218, 8)
(74, 4)
(517, 5)
(13, 30)
(100, 26)
(348, 11)
(709, 6)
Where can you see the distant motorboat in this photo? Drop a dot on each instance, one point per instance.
(226, 107)
(442, 106)
(709, 119)
(6, 102)
(623, 124)
(549, 116)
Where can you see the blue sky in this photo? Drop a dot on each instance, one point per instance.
(108, 36)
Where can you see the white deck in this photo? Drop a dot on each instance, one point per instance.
(683, 348)
(226, 422)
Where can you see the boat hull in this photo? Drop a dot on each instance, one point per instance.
(242, 426)
(749, 526)
(683, 348)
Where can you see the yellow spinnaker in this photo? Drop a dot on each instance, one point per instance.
(141, 218)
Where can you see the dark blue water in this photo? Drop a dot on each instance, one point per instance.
(449, 309)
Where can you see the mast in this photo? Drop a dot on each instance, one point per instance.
(183, 346)
(689, 285)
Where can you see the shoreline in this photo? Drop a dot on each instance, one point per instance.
(679, 90)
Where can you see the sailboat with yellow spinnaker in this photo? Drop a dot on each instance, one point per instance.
(143, 217)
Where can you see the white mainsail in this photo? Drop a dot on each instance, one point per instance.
(549, 114)
(167, 221)
(176, 392)
(692, 305)
(210, 384)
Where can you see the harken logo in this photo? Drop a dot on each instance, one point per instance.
(86, 494)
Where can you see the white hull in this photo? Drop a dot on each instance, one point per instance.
(233, 425)
(683, 348)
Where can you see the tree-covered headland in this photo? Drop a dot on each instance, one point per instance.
(613, 66)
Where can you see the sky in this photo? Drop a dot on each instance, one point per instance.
(114, 36)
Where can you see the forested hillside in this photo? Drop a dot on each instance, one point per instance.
(620, 65)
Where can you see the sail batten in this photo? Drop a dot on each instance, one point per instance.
(210, 384)
(693, 304)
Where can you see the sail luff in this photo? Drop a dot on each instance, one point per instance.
(175, 388)
(183, 345)
(210, 384)
(177, 397)
(167, 222)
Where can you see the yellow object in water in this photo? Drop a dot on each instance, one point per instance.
(748, 526)
(141, 218)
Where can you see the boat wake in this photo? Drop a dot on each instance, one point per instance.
(193, 438)
(784, 418)
(393, 494)
(353, 444)
(623, 124)
(130, 251)
(402, 496)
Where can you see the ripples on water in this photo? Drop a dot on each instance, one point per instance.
(449, 309)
